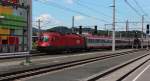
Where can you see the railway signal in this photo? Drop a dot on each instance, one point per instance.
(147, 29)
(95, 30)
(147, 32)
(80, 29)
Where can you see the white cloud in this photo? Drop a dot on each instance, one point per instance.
(47, 20)
(79, 17)
(66, 1)
(45, 0)
(69, 1)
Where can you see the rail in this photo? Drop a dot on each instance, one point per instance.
(97, 77)
(50, 68)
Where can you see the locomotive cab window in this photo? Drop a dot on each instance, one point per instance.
(45, 38)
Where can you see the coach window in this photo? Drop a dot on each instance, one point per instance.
(103, 41)
(98, 41)
(110, 41)
(89, 40)
(94, 41)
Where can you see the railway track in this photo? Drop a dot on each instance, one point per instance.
(105, 76)
(18, 55)
(50, 68)
(5, 56)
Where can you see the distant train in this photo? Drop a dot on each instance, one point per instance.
(54, 41)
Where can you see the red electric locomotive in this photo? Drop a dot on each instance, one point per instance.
(54, 41)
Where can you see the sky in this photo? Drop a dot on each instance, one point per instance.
(89, 13)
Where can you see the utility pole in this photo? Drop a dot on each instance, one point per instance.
(106, 29)
(108, 32)
(120, 35)
(142, 31)
(114, 14)
(73, 18)
(29, 36)
(127, 28)
(39, 28)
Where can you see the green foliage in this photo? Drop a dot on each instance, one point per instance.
(61, 29)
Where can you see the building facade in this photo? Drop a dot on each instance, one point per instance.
(15, 19)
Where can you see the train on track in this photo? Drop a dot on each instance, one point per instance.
(55, 41)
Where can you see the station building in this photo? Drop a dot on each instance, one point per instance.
(14, 25)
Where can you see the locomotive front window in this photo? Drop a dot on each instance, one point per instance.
(45, 39)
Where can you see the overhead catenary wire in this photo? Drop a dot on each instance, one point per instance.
(44, 24)
(91, 3)
(92, 9)
(140, 7)
(134, 9)
(87, 5)
(53, 4)
(142, 10)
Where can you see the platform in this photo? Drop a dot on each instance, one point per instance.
(11, 66)
(141, 74)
